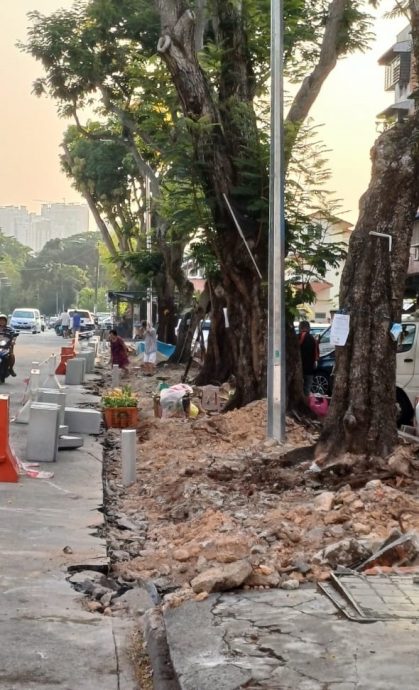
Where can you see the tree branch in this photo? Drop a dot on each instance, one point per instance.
(310, 88)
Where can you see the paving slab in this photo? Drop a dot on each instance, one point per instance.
(48, 640)
(280, 640)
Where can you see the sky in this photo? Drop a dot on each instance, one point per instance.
(31, 131)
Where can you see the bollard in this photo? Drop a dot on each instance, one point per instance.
(9, 466)
(116, 378)
(76, 343)
(128, 452)
(23, 415)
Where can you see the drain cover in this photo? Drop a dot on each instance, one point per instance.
(375, 597)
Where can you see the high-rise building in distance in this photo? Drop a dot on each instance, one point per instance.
(55, 221)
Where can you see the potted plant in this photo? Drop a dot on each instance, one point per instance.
(119, 408)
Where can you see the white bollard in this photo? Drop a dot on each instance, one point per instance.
(23, 415)
(128, 451)
(116, 378)
(76, 342)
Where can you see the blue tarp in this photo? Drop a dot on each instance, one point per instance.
(163, 348)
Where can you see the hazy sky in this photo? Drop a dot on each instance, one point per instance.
(31, 132)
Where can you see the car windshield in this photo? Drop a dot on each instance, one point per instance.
(82, 314)
(22, 314)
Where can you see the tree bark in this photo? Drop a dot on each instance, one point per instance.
(362, 418)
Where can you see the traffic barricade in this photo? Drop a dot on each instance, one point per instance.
(9, 465)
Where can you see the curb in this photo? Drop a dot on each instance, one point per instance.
(164, 677)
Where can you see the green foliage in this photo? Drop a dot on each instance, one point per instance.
(86, 299)
(120, 397)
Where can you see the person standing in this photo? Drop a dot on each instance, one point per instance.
(119, 351)
(76, 322)
(150, 348)
(65, 323)
(309, 355)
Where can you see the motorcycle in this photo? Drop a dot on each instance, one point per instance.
(7, 341)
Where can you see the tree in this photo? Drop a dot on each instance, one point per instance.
(13, 256)
(102, 54)
(362, 417)
(218, 62)
(220, 105)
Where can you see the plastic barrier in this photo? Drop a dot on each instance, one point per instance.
(9, 465)
(66, 354)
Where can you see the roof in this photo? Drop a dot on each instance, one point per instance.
(389, 55)
(128, 296)
(403, 106)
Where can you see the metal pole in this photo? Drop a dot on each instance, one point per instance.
(148, 236)
(276, 306)
(96, 277)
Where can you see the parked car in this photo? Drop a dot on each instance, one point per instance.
(26, 319)
(52, 321)
(87, 322)
(407, 368)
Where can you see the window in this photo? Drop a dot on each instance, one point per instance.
(407, 337)
(320, 315)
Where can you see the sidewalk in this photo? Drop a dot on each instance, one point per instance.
(48, 641)
(280, 640)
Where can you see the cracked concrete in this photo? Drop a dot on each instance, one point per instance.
(280, 640)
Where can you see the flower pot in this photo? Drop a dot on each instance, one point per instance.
(120, 417)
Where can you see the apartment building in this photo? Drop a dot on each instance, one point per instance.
(35, 230)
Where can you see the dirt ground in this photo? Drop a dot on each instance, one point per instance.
(213, 491)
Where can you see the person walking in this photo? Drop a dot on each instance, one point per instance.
(65, 323)
(119, 351)
(76, 322)
(150, 348)
(309, 355)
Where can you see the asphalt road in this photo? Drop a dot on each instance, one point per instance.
(29, 348)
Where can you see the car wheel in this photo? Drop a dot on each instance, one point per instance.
(405, 411)
(320, 385)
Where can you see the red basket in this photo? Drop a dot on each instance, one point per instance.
(120, 417)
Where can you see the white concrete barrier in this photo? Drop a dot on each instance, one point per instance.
(50, 395)
(75, 371)
(42, 440)
(89, 357)
(82, 421)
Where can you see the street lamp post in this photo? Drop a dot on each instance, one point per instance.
(96, 278)
(276, 306)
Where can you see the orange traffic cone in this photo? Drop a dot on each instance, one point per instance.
(9, 467)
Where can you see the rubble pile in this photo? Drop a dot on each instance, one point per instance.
(216, 506)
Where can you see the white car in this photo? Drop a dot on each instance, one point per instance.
(26, 319)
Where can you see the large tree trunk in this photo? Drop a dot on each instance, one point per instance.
(362, 418)
(218, 156)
